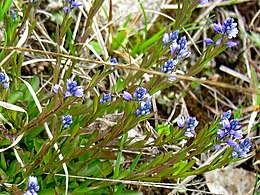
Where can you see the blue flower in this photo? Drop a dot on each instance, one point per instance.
(66, 121)
(113, 60)
(73, 89)
(168, 66)
(174, 35)
(145, 108)
(72, 5)
(226, 115)
(33, 186)
(241, 150)
(140, 93)
(230, 128)
(191, 124)
(183, 51)
(106, 98)
(229, 28)
(4, 80)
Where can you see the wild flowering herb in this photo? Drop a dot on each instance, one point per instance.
(13, 15)
(72, 5)
(178, 49)
(66, 121)
(229, 29)
(4, 80)
(33, 186)
(106, 98)
(127, 96)
(73, 89)
(191, 123)
(56, 88)
(113, 61)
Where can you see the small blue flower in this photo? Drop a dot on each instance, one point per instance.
(140, 93)
(241, 150)
(13, 15)
(218, 42)
(113, 60)
(182, 48)
(191, 124)
(73, 89)
(33, 186)
(217, 147)
(230, 28)
(144, 109)
(174, 35)
(106, 98)
(226, 115)
(168, 66)
(127, 96)
(4, 79)
(173, 47)
(66, 121)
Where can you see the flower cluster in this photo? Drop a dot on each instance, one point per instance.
(229, 133)
(72, 89)
(190, 124)
(72, 5)
(106, 98)
(178, 50)
(229, 29)
(143, 98)
(33, 186)
(4, 80)
(66, 121)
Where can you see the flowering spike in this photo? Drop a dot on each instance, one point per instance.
(166, 38)
(4, 79)
(140, 93)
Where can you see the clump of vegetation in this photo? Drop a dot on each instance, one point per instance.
(87, 109)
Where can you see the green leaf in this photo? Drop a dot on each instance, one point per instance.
(14, 97)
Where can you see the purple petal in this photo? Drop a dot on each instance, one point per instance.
(203, 2)
(127, 96)
(226, 124)
(231, 43)
(208, 41)
(237, 135)
(68, 94)
(66, 9)
(172, 79)
(181, 121)
(6, 85)
(218, 27)
(56, 88)
(232, 143)
(217, 147)
(218, 41)
(173, 47)
(79, 92)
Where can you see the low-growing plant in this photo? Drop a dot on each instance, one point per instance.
(88, 123)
